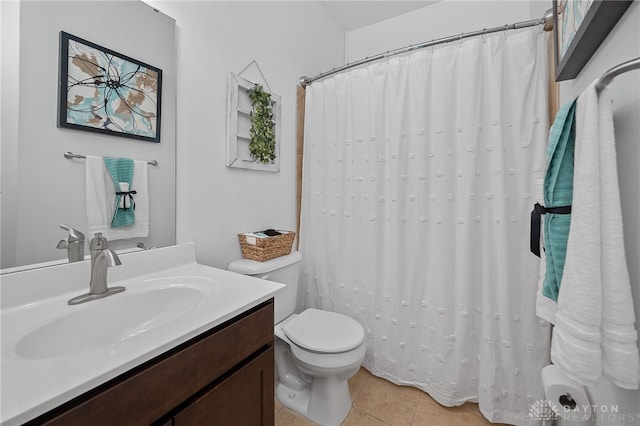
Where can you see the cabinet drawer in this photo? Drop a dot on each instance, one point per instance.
(150, 391)
(244, 398)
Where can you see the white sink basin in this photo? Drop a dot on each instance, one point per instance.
(52, 352)
(110, 320)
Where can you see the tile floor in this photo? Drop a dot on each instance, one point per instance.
(377, 402)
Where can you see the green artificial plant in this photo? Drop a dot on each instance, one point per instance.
(262, 131)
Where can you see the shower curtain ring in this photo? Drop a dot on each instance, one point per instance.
(460, 40)
(506, 27)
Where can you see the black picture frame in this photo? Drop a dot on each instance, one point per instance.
(103, 91)
(598, 21)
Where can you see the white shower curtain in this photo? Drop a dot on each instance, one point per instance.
(419, 177)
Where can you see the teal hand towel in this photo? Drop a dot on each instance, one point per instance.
(121, 170)
(558, 192)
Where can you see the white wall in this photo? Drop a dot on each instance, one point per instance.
(50, 189)
(622, 44)
(537, 8)
(288, 40)
(442, 19)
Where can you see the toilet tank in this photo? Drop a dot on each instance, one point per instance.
(284, 270)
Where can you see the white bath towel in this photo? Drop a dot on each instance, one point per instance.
(100, 196)
(594, 331)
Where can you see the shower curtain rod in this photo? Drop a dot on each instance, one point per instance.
(546, 21)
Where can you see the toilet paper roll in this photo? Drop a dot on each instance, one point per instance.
(569, 399)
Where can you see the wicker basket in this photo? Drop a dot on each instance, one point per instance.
(263, 249)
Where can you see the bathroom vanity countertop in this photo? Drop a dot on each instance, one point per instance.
(33, 385)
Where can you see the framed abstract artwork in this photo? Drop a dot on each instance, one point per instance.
(107, 92)
(579, 27)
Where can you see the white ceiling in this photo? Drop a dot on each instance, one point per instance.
(355, 14)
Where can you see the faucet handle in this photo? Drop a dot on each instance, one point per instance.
(98, 242)
(74, 234)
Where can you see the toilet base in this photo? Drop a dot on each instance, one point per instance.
(326, 402)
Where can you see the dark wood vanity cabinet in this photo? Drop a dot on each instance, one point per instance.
(234, 400)
(225, 376)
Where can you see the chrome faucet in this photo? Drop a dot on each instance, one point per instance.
(74, 244)
(101, 259)
(142, 246)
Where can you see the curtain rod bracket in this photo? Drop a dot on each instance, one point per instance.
(547, 20)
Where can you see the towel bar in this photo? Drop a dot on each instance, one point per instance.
(71, 155)
(612, 73)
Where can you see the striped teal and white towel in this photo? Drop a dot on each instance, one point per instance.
(558, 191)
(121, 171)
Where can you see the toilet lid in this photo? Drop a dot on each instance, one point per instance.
(322, 331)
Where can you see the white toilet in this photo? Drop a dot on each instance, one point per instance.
(316, 351)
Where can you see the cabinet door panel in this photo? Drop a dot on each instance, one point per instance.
(144, 395)
(244, 398)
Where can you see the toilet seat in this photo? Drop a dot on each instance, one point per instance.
(324, 332)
